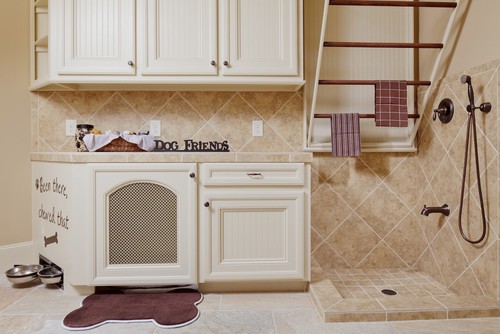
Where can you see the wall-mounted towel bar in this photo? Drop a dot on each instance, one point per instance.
(368, 82)
(383, 45)
(442, 4)
(361, 116)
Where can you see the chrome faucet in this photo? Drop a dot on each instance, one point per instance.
(445, 210)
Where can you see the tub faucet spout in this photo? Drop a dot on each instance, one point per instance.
(444, 209)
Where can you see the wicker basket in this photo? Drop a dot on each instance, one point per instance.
(120, 145)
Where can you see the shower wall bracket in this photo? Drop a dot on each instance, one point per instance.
(444, 111)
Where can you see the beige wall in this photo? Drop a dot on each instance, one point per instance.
(473, 40)
(478, 42)
(15, 196)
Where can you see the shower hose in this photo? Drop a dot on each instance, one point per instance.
(471, 123)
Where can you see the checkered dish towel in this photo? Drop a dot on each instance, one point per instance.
(391, 103)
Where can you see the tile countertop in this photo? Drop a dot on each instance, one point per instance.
(84, 157)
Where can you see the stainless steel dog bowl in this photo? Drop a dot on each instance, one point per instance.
(23, 273)
(50, 275)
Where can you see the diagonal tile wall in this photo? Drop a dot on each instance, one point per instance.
(365, 211)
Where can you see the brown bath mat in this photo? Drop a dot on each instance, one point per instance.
(171, 309)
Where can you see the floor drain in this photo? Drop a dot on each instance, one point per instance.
(389, 292)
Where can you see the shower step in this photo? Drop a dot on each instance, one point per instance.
(333, 307)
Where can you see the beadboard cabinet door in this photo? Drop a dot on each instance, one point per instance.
(259, 37)
(248, 236)
(181, 37)
(96, 37)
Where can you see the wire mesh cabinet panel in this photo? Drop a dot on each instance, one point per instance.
(144, 224)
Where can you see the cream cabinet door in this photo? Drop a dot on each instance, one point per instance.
(144, 223)
(96, 37)
(259, 37)
(252, 235)
(181, 37)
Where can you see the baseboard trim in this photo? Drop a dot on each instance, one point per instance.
(21, 253)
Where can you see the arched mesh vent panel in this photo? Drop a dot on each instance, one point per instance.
(142, 225)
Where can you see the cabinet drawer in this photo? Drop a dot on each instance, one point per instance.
(253, 174)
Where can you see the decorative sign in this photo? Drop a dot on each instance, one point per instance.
(191, 146)
(52, 214)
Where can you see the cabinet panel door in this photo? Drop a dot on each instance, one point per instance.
(145, 224)
(98, 37)
(252, 236)
(260, 37)
(181, 37)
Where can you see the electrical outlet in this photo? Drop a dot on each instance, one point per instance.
(155, 128)
(257, 128)
(70, 127)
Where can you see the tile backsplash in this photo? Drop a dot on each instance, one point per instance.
(184, 115)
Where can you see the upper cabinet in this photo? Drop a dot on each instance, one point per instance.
(181, 37)
(172, 44)
(259, 37)
(97, 37)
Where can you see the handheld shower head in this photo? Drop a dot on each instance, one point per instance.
(466, 79)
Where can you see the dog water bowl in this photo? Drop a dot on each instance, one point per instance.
(23, 273)
(50, 275)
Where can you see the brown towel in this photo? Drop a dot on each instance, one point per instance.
(346, 139)
(391, 103)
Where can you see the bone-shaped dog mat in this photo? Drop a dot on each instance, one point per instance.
(171, 309)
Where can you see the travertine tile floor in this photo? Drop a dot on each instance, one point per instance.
(40, 309)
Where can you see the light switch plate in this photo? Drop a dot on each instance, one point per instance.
(70, 127)
(155, 128)
(257, 128)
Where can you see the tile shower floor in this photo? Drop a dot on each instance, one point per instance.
(368, 283)
(36, 308)
(354, 295)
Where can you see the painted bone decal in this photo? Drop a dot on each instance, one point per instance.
(50, 240)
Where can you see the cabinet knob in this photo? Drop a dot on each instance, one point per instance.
(130, 62)
(206, 204)
(192, 175)
(213, 63)
(226, 63)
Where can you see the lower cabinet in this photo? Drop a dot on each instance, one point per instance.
(115, 224)
(254, 222)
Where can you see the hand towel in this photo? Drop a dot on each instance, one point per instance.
(346, 139)
(391, 103)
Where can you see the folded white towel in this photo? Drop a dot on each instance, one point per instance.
(95, 142)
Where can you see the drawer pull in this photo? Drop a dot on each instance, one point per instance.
(255, 175)
(206, 204)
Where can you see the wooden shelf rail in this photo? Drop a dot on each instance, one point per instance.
(361, 116)
(383, 45)
(367, 82)
(437, 4)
